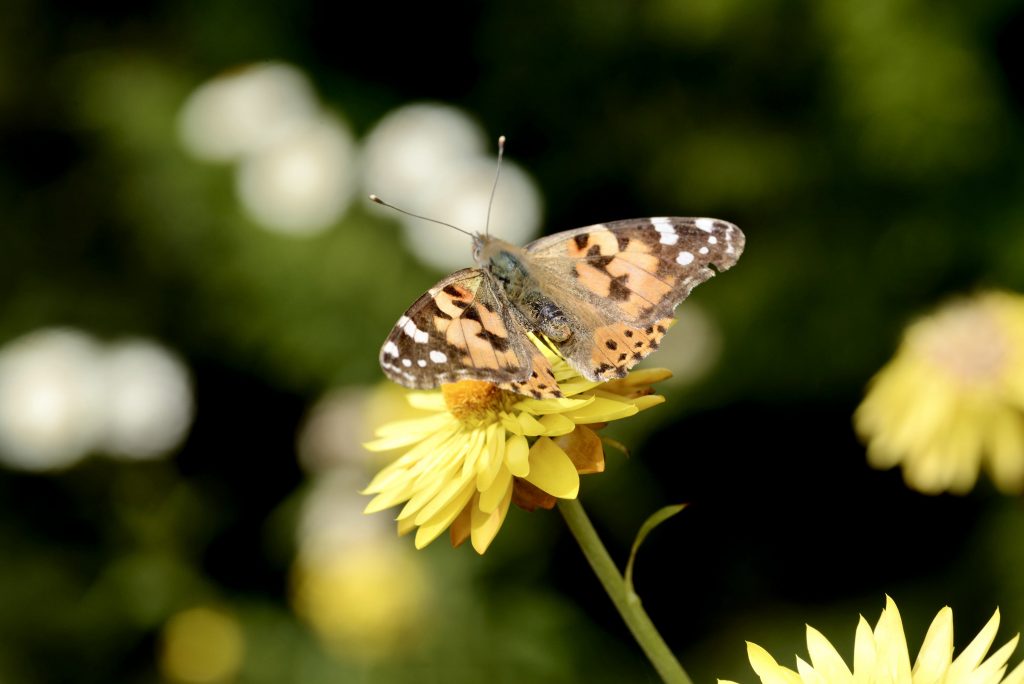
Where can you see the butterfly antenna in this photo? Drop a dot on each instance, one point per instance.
(497, 175)
(378, 200)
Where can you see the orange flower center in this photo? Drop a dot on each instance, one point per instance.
(473, 399)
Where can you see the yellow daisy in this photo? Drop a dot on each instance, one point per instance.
(484, 448)
(952, 399)
(881, 656)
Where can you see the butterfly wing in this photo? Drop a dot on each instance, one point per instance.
(620, 282)
(464, 329)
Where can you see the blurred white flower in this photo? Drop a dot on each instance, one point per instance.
(334, 430)
(407, 149)
(429, 159)
(458, 194)
(51, 399)
(245, 110)
(149, 404)
(332, 514)
(63, 395)
(303, 183)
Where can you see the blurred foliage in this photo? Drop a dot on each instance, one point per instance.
(869, 150)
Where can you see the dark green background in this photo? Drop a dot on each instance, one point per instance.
(870, 151)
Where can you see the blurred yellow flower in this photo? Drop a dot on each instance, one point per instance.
(881, 656)
(952, 399)
(201, 646)
(366, 600)
(483, 448)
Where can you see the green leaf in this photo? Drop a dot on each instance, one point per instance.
(653, 521)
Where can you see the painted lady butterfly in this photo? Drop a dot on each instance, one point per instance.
(603, 295)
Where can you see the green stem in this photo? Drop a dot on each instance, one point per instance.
(627, 603)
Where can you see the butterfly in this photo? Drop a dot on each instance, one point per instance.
(602, 295)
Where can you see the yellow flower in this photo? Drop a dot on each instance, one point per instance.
(881, 656)
(483, 448)
(952, 399)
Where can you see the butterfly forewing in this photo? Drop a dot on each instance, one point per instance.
(464, 328)
(621, 281)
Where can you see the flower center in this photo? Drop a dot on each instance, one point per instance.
(473, 399)
(968, 341)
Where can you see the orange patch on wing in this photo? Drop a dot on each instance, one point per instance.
(464, 334)
(606, 242)
(541, 382)
(492, 322)
(618, 347)
(594, 279)
(447, 302)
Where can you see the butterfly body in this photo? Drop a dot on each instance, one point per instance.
(603, 295)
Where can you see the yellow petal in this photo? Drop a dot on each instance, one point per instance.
(414, 426)
(1016, 675)
(531, 426)
(574, 387)
(864, 653)
(492, 496)
(405, 466)
(486, 525)
(601, 410)
(517, 455)
(405, 527)
(937, 649)
(827, 662)
(452, 490)
(462, 526)
(808, 675)
(389, 498)
(556, 425)
(426, 489)
(427, 401)
(477, 449)
(992, 669)
(552, 471)
(511, 424)
(647, 401)
(444, 517)
(584, 449)
(891, 642)
(487, 468)
(974, 653)
(540, 407)
(396, 441)
(767, 669)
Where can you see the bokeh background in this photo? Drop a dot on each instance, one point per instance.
(193, 292)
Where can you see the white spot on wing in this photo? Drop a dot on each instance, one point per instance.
(438, 357)
(684, 258)
(705, 224)
(422, 363)
(406, 362)
(665, 228)
(391, 349)
(712, 240)
(703, 250)
(422, 337)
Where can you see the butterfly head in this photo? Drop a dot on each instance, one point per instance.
(487, 250)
